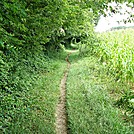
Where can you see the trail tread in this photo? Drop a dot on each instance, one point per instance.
(61, 116)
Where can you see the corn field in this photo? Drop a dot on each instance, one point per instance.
(116, 51)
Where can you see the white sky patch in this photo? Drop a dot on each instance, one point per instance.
(106, 23)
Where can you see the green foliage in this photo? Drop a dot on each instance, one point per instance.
(90, 109)
(116, 52)
(26, 92)
(127, 102)
(32, 23)
(28, 30)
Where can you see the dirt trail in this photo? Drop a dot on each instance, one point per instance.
(61, 116)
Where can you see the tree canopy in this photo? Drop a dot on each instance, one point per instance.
(27, 23)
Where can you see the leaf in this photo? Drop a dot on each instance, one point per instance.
(132, 100)
(1, 44)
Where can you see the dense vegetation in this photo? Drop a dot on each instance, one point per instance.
(30, 32)
(90, 106)
(31, 35)
(102, 82)
(117, 52)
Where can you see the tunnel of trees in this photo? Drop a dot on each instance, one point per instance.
(29, 29)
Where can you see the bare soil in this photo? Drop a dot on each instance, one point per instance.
(61, 115)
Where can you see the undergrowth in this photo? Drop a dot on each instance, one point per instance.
(29, 91)
(89, 106)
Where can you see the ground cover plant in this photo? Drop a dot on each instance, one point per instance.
(90, 108)
(31, 109)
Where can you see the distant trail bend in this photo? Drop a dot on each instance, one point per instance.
(60, 114)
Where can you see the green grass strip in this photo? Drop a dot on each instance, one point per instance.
(89, 107)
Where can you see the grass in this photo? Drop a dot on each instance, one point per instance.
(89, 106)
(37, 113)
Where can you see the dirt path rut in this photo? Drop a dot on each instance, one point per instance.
(61, 115)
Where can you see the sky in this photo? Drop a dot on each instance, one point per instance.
(106, 23)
